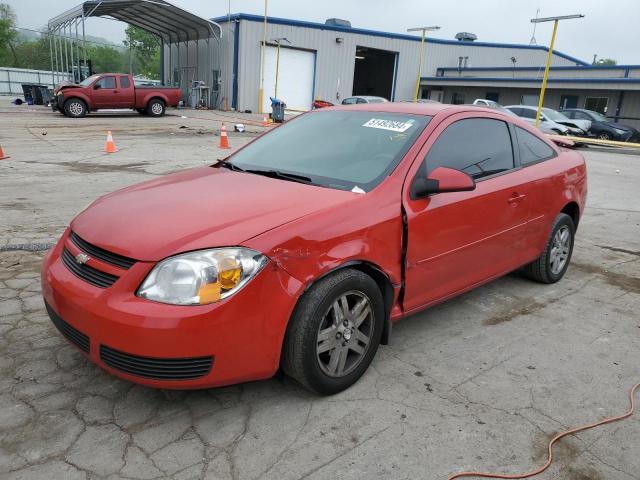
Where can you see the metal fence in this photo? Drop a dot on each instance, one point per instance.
(11, 79)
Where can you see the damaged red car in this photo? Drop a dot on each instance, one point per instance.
(301, 250)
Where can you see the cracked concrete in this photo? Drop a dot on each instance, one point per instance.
(480, 382)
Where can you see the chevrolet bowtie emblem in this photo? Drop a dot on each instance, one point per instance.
(81, 258)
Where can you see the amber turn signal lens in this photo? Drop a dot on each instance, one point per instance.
(229, 273)
(209, 293)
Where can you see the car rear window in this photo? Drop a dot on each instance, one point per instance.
(532, 149)
(336, 148)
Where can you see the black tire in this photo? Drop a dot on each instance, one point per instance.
(75, 108)
(604, 136)
(156, 108)
(541, 269)
(300, 359)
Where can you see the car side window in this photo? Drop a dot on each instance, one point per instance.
(477, 146)
(107, 82)
(569, 114)
(532, 149)
(527, 113)
(349, 101)
(361, 100)
(581, 116)
(516, 110)
(124, 82)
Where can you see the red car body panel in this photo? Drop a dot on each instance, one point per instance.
(454, 242)
(121, 97)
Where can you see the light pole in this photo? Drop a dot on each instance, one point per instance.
(423, 30)
(278, 41)
(555, 21)
(264, 47)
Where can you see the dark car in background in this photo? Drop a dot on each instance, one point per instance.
(602, 127)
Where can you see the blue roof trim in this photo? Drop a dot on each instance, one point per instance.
(531, 79)
(522, 69)
(398, 36)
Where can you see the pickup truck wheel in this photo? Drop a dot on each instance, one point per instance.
(554, 261)
(156, 108)
(75, 108)
(334, 332)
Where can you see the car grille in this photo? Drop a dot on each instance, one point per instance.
(74, 335)
(156, 368)
(102, 254)
(87, 273)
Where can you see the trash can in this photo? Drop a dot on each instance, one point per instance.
(46, 94)
(277, 110)
(33, 92)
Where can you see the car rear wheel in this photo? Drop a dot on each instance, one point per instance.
(554, 261)
(334, 332)
(156, 108)
(75, 108)
(604, 136)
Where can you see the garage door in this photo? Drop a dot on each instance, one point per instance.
(295, 78)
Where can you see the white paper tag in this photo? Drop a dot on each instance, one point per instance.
(357, 189)
(392, 125)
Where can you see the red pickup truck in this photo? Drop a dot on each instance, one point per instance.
(113, 91)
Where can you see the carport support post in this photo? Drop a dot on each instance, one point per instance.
(546, 72)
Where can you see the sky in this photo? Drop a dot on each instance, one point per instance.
(609, 29)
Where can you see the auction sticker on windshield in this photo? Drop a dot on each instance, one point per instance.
(393, 125)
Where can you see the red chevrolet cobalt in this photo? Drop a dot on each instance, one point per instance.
(302, 249)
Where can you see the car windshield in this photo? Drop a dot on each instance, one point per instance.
(555, 116)
(88, 81)
(347, 150)
(598, 117)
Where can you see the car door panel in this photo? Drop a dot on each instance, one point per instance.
(457, 240)
(104, 96)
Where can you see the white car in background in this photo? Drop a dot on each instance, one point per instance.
(363, 99)
(551, 121)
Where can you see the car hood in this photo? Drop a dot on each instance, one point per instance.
(201, 208)
(582, 124)
(65, 86)
(626, 128)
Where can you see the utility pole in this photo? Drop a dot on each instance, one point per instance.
(278, 42)
(423, 30)
(555, 21)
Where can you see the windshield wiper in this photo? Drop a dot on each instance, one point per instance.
(281, 175)
(230, 166)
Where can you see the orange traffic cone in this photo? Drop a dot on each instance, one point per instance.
(2, 154)
(110, 147)
(224, 140)
(265, 121)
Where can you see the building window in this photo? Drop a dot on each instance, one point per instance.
(457, 98)
(424, 93)
(531, 100)
(597, 104)
(493, 96)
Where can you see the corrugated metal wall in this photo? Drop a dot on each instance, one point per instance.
(336, 61)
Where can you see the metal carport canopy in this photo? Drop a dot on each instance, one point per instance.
(169, 22)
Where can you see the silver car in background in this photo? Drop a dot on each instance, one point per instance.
(363, 99)
(551, 121)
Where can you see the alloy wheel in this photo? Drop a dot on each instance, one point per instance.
(560, 249)
(344, 334)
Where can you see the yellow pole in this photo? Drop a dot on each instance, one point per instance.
(546, 72)
(275, 93)
(264, 47)
(415, 93)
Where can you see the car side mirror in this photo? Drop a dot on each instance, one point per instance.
(96, 86)
(441, 180)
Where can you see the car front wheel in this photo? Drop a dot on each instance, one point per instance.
(604, 136)
(75, 108)
(551, 266)
(334, 332)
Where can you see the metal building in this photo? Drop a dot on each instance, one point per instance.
(332, 61)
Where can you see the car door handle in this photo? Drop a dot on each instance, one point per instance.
(116, 91)
(515, 198)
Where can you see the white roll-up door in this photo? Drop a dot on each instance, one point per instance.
(295, 78)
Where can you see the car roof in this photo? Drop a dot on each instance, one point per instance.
(417, 108)
(366, 96)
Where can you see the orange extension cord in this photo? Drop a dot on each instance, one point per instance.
(554, 440)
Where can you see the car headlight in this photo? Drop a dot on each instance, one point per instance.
(202, 277)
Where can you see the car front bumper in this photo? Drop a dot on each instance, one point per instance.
(170, 346)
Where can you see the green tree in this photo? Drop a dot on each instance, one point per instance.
(607, 61)
(144, 51)
(105, 59)
(7, 35)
